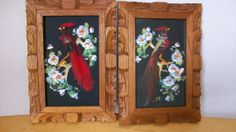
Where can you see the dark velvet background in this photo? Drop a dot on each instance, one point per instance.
(51, 35)
(176, 34)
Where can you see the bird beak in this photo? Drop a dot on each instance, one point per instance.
(60, 28)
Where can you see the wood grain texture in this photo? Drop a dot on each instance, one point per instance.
(32, 62)
(35, 10)
(21, 124)
(69, 4)
(192, 14)
(110, 59)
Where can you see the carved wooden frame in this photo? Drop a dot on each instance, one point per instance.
(192, 14)
(36, 9)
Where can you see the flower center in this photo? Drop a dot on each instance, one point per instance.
(53, 73)
(82, 31)
(53, 58)
(59, 77)
(178, 56)
(88, 44)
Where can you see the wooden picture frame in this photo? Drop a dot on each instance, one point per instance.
(36, 10)
(129, 113)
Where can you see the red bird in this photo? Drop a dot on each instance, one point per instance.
(80, 69)
(152, 71)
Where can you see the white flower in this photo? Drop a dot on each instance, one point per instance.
(175, 88)
(173, 68)
(148, 36)
(49, 79)
(141, 40)
(55, 76)
(176, 56)
(91, 30)
(138, 59)
(167, 98)
(62, 92)
(175, 71)
(88, 44)
(177, 44)
(53, 60)
(50, 46)
(168, 81)
(148, 29)
(94, 58)
(53, 73)
(60, 77)
(81, 31)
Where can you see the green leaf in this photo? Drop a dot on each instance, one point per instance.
(59, 53)
(62, 85)
(71, 93)
(144, 31)
(158, 98)
(70, 87)
(89, 51)
(51, 53)
(54, 82)
(140, 54)
(178, 79)
(76, 89)
(94, 40)
(86, 53)
(88, 36)
(49, 68)
(90, 55)
(94, 49)
(141, 51)
(179, 63)
(91, 63)
(86, 25)
(172, 97)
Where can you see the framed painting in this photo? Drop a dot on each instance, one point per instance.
(164, 62)
(66, 52)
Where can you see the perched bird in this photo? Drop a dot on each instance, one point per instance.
(152, 71)
(80, 69)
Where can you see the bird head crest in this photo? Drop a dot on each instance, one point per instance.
(162, 28)
(66, 25)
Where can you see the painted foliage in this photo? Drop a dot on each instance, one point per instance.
(160, 63)
(71, 61)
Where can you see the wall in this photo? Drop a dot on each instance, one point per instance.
(218, 50)
(13, 70)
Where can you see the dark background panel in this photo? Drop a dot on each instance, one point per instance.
(51, 36)
(177, 33)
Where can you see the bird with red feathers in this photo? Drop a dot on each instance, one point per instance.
(152, 72)
(80, 69)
